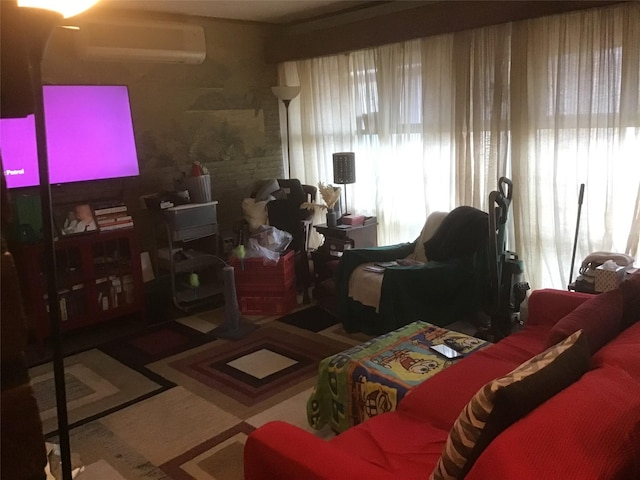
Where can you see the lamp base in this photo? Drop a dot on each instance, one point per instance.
(235, 332)
(234, 327)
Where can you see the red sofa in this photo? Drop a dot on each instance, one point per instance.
(589, 430)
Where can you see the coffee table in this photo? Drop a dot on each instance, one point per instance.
(372, 378)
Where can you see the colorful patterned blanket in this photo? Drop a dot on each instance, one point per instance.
(372, 378)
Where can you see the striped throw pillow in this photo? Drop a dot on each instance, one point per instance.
(504, 400)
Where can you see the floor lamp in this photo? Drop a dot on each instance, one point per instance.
(38, 19)
(344, 172)
(286, 94)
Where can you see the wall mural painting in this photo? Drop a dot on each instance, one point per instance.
(214, 128)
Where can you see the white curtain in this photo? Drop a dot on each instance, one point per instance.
(551, 103)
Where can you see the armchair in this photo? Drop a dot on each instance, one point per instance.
(448, 287)
(459, 266)
(285, 213)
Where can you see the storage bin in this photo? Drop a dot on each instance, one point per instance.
(268, 304)
(256, 274)
(191, 215)
(273, 288)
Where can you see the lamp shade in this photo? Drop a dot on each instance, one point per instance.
(286, 93)
(344, 167)
(68, 8)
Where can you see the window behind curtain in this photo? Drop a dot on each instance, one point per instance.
(551, 102)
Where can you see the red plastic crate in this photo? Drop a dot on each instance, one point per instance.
(256, 273)
(268, 304)
(259, 289)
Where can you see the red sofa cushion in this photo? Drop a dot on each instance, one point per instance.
(589, 430)
(622, 352)
(600, 318)
(548, 305)
(395, 443)
(505, 400)
(630, 290)
(441, 398)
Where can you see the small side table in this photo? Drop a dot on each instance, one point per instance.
(357, 236)
(338, 239)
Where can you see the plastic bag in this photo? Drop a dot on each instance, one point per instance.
(268, 242)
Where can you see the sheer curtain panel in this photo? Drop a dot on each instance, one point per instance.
(551, 102)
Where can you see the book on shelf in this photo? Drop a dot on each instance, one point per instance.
(116, 226)
(109, 210)
(113, 218)
(115, 222)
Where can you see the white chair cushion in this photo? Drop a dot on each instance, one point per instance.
(430, 226)
(366, 287)
(255, 213)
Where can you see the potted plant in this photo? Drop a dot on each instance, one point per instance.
(330, 196)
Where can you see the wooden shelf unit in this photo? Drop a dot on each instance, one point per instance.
(99, 278)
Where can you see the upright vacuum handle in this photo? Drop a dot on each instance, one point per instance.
(581, 196)
(575, 238)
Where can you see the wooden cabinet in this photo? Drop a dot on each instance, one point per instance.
(98, 278)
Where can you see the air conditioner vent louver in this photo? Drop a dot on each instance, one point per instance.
(127, 40)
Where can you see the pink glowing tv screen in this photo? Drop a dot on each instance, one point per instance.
(89, 132)
(18, 149)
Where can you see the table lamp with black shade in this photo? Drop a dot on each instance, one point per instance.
(344, 172)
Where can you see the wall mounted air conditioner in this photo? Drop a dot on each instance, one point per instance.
(141, 41)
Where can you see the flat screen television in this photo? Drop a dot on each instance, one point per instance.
(90, 136)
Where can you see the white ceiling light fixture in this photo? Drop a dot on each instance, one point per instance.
(68, 8)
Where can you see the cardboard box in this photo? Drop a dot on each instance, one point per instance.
(606, 280)
(353, 220)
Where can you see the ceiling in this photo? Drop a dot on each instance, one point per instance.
(270, 11)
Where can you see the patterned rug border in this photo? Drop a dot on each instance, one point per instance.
(173, 466)
(96, 361)
(128, 350)
(313, 319)
(203, 366)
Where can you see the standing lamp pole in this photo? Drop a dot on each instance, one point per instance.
(286, 108)
(41, 23)
(286, 94)
(38, 18)
(575, 238)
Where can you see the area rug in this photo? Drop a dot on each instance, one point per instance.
(169, 424)
(314, 319)
(171, 402)
(103, 451)
(221, 457)
(244, 377)
(96, 385)
(267, 361)
(154, 344)
(100, 469)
